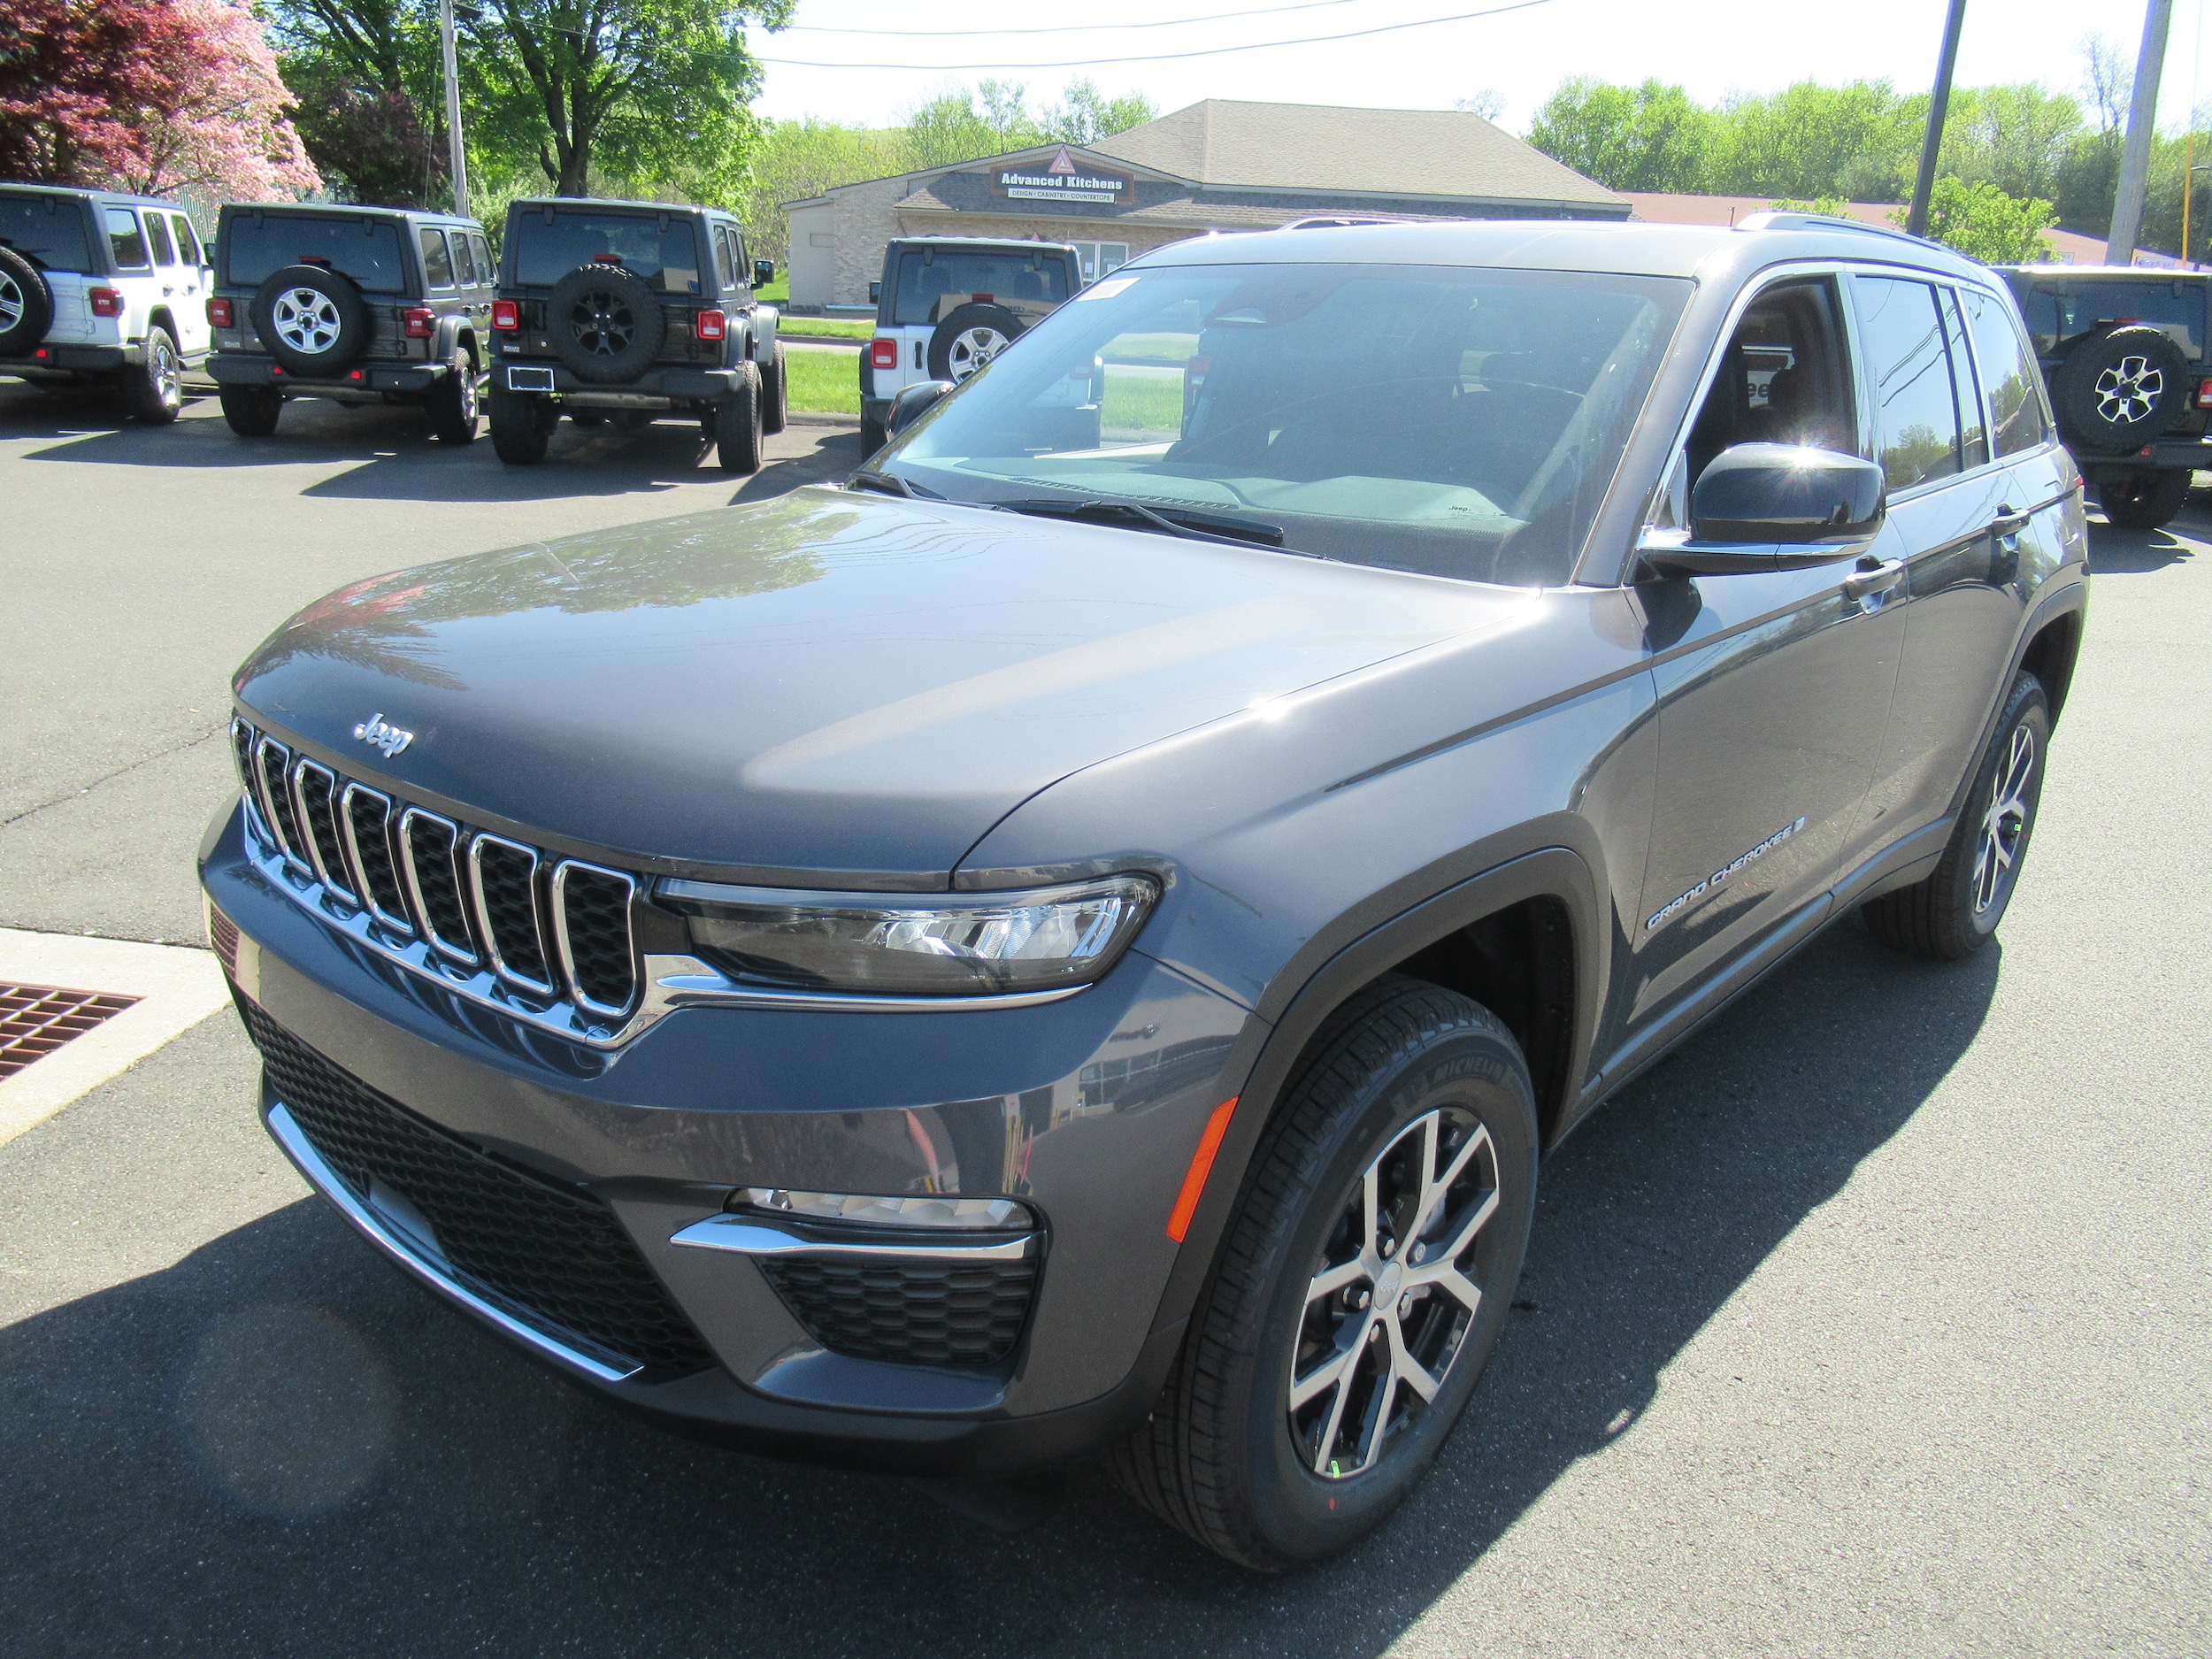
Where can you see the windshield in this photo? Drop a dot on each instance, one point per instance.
(366, 250)
(46, 229)
(1463, 422)
(547, 246)
(932, 280)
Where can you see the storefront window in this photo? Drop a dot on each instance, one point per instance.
(1099, 257)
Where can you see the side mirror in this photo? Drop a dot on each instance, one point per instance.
(875, 294)
(764, 272)
(1776, 506)
(912, 404)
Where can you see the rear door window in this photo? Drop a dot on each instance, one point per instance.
(659, 248)
(436, 263)
(366, 250)
(2015, 409)
(125, 242)
(932, 283)
(1907, 360)
(157, 233)
(48, 231)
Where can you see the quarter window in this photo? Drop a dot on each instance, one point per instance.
(188, 243)
(2015, 409)
(1916, 417)
(464, 260)
(487, 267)
(125, 241)
(158, 232)
(722, 258)
(1973, 440)
(435, 264)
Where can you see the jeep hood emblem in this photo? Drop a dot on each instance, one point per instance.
(378, 733)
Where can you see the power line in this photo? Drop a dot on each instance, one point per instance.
(1160, 57)
(1070, 28)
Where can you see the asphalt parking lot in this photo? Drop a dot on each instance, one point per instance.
(1875, 1320)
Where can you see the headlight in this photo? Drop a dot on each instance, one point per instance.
(951, 944)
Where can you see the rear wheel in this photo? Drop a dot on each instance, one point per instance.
(1952, 913)
(1360, 1288)
(251, 411)
(872, 437)
(522, 425)
(453, 406)
(154, 389)
(2143, 498)
(737, 436)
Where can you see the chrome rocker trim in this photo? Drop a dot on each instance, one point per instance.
(604, 1365)
(750, 1235)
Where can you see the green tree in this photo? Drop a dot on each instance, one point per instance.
(1085, 115)
(796, 159)
(1984, 223)
(1650, 137)
(1860, 141)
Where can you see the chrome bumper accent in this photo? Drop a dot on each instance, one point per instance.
(599, 1365)
(751, 1235)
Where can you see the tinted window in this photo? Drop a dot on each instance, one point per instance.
(1916, 423)
(187, 244)
(46, 230)
(487, 267)
(931, 282)
(722, 258)
(437, 268)
(255, 245)
(1973, 442)
(2060, 308)
(463, 259)
(1462, 422)
(2015, 409)
(125, 241)
(158, 232)
(547, 247)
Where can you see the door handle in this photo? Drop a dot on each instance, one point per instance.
(1876, 579)
(2008, 522)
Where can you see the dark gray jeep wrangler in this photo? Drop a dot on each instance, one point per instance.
(633, 312)
(354, 304)
(1079, 940)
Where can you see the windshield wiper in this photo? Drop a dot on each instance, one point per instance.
(1196, 526)
(891, 484)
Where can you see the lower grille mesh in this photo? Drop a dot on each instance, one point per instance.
(917, 1312)
(552, 1249)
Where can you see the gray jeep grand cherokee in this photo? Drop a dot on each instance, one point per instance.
(1078, 940)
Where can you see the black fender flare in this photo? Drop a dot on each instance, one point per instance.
(1274, 1047)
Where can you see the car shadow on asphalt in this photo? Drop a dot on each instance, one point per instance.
(308, 1455)
(2137, 552)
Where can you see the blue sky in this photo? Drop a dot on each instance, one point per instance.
(1713, 47)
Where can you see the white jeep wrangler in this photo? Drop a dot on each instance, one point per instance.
(101, 289)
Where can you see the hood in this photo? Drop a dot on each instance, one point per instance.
(827, 689)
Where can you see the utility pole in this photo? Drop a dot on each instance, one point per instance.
(458, 152)
(2135, 160)
(1938, 106)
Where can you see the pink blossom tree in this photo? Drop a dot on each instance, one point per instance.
(222, 128)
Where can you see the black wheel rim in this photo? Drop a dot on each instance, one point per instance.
(602, 323)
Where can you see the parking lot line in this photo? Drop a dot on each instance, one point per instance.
(176, 988)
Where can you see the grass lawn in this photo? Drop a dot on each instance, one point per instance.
(823, 328)
(823, 382)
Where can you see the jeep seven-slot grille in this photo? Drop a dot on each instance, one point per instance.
(550, 927)
(551, 1249)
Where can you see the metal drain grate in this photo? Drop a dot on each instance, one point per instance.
(37, 1019)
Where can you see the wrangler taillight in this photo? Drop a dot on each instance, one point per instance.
(218, 313)
(712, 325)
(2204, 393)
(106, 302)
(884, 353)
(416, 321)
(506, 316)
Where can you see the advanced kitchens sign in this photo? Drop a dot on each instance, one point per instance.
(1059, 180)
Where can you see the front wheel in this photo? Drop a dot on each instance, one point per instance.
(1361, 1284)
(872, 437)
(522, 425)
(1951, 914)
(2143, 498)
(154, 389)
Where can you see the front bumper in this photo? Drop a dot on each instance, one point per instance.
(364, 382)
(1087, 1110)
(659, 387)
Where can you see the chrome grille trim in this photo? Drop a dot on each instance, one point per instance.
(312, 781)
(583, 998)
(463, 951)
(276, 801)
(504, 969)
(400, 924)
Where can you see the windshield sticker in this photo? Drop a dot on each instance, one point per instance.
(1107, 289)
(1675, 907)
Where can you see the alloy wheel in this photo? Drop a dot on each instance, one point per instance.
(468, 389)
(602, 324)
(1395, 1294)
(306, 320)
(2129, 390)
(2005, 823)
(12, 304)
(168, 377)
(971, 348)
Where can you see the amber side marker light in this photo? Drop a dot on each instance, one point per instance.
(1202, 1165)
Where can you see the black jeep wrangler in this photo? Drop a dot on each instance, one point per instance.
(2123, 350)
(632, 311)
(355, 304)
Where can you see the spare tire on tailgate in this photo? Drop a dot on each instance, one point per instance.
(2120, 388)
(26, 304)
(969, 338)
(605, 323)
(310, 319)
